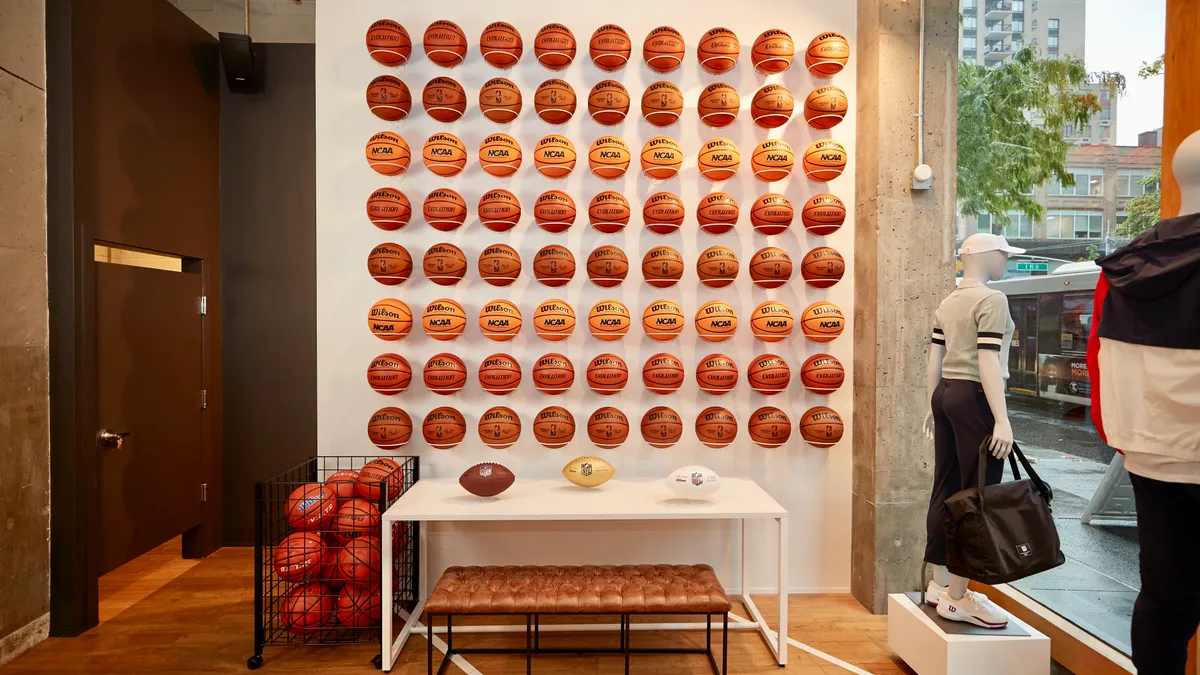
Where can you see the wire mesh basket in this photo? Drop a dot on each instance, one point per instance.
(317, 557)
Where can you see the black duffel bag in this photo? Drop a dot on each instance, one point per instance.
(1000, 533)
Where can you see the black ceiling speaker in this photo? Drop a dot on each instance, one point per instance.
(244, 65)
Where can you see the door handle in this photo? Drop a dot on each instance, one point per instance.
(111, 440)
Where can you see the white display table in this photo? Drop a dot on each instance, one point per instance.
(443, 500)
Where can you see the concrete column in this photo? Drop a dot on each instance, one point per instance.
(904, 266)
(24, 340)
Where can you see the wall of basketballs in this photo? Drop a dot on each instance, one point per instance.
(618, 229)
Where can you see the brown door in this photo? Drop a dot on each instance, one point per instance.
(148, 380)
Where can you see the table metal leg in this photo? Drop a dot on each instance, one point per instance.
(385, 648)
(783, 590)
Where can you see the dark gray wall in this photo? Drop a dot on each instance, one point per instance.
(268, 225)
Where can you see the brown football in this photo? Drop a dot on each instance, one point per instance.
(486, 479)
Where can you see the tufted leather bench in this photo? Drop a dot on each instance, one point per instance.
(533, 591)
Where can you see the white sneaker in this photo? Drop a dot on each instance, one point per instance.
(933, 594)
(973, 608)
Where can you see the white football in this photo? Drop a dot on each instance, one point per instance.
(588, 471)
(693, 482)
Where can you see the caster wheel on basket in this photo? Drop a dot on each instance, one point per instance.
(377, 661)
(254, 662)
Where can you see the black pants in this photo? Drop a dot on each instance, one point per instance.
(1167, 610)
(962, 420)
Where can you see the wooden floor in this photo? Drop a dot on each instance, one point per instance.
(164, 615)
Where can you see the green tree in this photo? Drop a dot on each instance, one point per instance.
(1153, 68)
(1011, 120)
(1142, 211)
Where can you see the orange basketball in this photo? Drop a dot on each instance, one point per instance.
(499, 427)
(305, 609)
(716, 321)
(311, 506)
(716, 427)
(358, 605)
(821, 427)
(554, 320)
(609, 320)
(500, 320)
(824, 160)
(719, 159)
(772, 160)
(718, 105)
(444, 209)
(610, 47)
(554, 157)
(772, 214)
(663, 320)
(444, 319)
(663, 213)
(553, 374)
(298, 556)
(717, 267)
(388, 43)
(717, 213)
(663, 49)
(374, 474)
(661, 427)
(771, 267)
(607, 266)
(607, 374)
(825, 107)
(771, 321)
(500, 156)
(500, 100)
(608, 428)
(716, 374)
(389, 428)
(445, 43)
(554, 427)
(718, 51)
(388, 98)
(554, 265)
(389, 319)
(444, 428)
(661, 158)
(388, 209)
(390, 264)
(769, 374)
(499, 210)
(501, 44)
(389, 374)
(822, 374)
(608, 102)
(827, 54)
(554, 101)
(609, 157)
(773, 51)
(822, 321)
(822, 267)
(662, 103)
(444, 154)
(662, 267)
(772, 106)
(554, 211)
(499, 374)
(823, 214)
(444, 264)
(388, 154)
(609, 212)
(445, 374)
(663, 374)
(444, 99)
(499, 264)
(554, 46)
(770, 427)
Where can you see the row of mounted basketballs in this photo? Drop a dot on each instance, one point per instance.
(445, 319)
(608, 427)
(608, 101)
(610, 48)
(609, 157)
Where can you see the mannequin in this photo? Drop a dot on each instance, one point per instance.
(968, 364)
(1186, 167)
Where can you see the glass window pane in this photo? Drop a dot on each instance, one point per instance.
(1123, 185)
(1095, 180)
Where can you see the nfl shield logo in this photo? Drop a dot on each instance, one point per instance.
(485, 470)
(697, 478)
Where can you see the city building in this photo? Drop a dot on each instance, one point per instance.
(1152, 137)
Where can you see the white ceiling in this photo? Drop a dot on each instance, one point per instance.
(270, 20)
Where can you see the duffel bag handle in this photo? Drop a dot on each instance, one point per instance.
(1038, 484)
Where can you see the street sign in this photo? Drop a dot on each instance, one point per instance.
(1033, 267)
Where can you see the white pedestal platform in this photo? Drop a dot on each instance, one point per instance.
(916, 639)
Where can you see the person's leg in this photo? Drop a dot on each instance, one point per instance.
(1167, 610)
(945, 479)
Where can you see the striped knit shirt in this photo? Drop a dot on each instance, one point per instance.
(972, 318)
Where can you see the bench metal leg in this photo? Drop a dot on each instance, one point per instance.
(528, 645)
(429, 642)
(537, 644)
(628, 640)
(724, 643)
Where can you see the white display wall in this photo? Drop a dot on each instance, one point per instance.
(812, 484)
